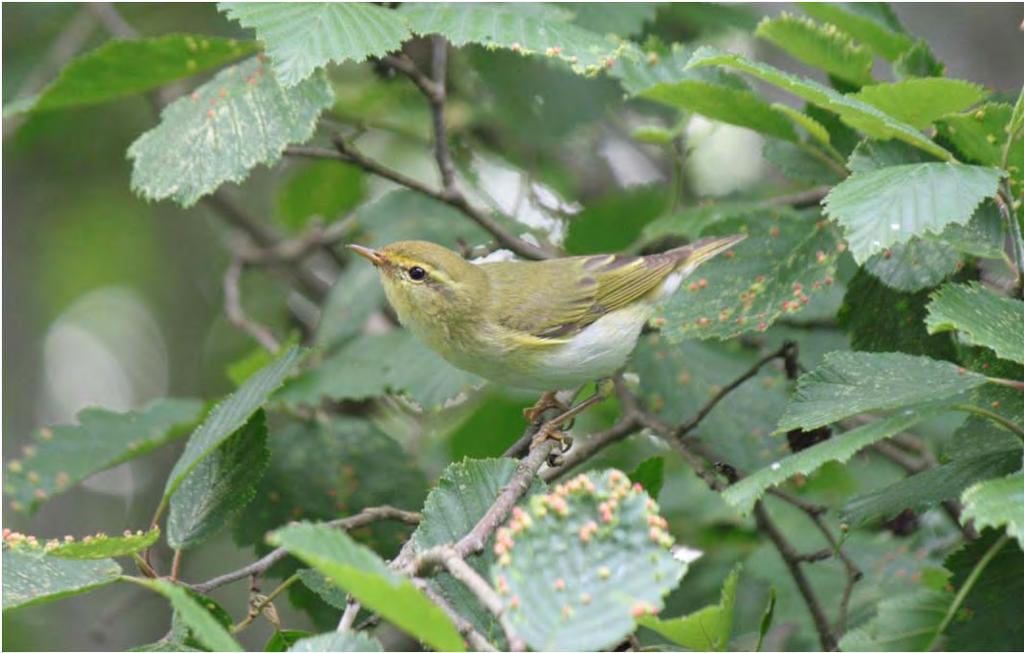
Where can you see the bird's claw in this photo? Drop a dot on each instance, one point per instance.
(552, 432)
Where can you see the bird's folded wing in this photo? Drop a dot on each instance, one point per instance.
(556, 299)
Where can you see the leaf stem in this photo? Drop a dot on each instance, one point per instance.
(995, 417)
(257, 608)
(972, 578)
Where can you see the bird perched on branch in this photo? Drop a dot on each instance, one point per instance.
(537, 325)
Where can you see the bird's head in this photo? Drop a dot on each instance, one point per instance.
(425, 281)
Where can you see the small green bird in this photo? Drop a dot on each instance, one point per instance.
(538, 325)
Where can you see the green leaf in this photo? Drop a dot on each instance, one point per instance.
(800, 164)
(677, 380)
(766, 619)
(219, 486)
(914, 265)
(786, 261)
(101, 546)
(707, 629)
(204, 626)
(324, 588)
(583, 562)
(282, 640)
(921, 101)
(980, 135)
(996, 503)
(819, 46)
(650, 474)
(454, 506)
(321, 470)
(879, 318)
(858, 114)
(918, 61)
(366, 577)
(526, 28)
(871, 155)
(183, 633)
(120, 69)
(744, 494)
(874, 24)
(61, 456)
(988, 618)
(906, 622)
(884, 207)
(324, 190)
(711, 93)
(848, 383)
(237, 120)
(354, 297)
(348, 640)
(30, 576)
(980, 450)
(980, 317)
(230, 415)
(813, 128)
(373, 365)
(304, 36)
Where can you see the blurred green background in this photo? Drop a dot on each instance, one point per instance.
(111, 301)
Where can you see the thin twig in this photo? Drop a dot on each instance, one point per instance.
(236, 313)
(259, 606)
(693, 422)
(367, 516)
(792, 560)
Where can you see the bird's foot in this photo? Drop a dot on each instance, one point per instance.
(547, 401)
(551, 431)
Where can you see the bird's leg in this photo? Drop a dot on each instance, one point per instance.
(550, 429)
(547, 400)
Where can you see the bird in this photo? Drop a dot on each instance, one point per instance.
(541, 325)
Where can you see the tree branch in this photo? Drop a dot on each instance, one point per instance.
(236, 314)
(367, 516)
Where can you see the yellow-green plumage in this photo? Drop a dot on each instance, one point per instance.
(541, 325)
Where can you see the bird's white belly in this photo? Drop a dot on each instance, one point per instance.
(595, 352)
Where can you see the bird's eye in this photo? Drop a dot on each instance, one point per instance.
(416, 273)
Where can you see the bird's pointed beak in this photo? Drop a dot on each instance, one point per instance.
(372, 255)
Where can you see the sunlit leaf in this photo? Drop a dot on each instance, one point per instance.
(921, 101)
(237, 120)
(204, 626)
(30, 576)
(304, 36)
(526, 28)
(819, 46)
(884, 207)
(862, 116)
(997, 502)
(981, 317)
(874, 24)
(100, 546)
(707, 629)
(119, 68)
(711, 93)
(366, 577)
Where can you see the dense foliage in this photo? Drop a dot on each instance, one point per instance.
(817, 443)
